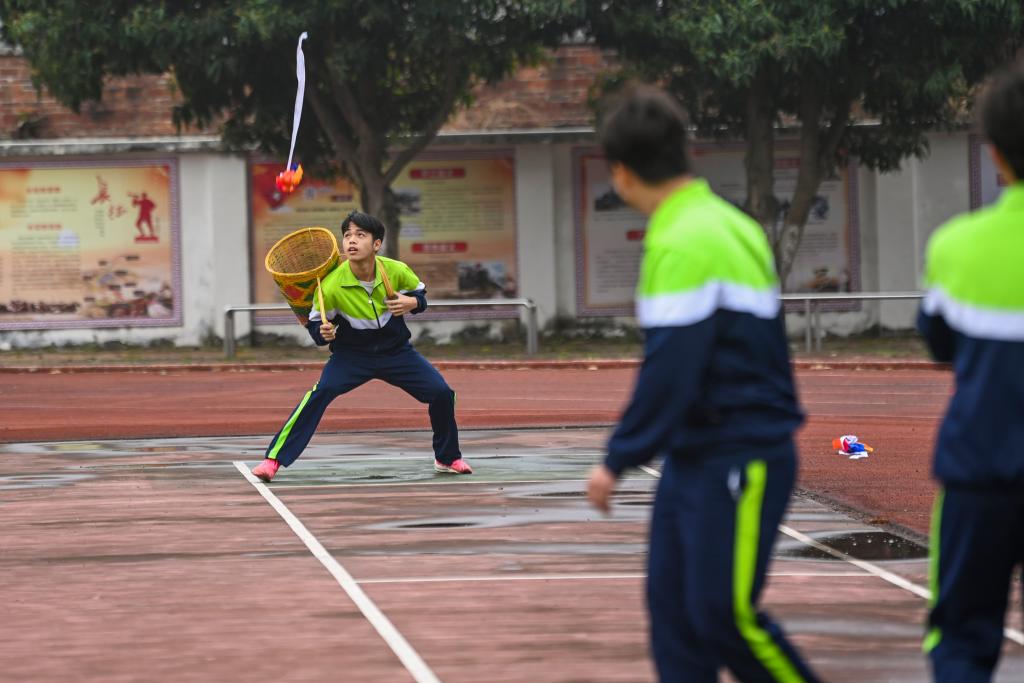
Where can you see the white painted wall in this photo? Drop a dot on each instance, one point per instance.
(214, 227)
(565, 230)
(536, 221)
(910, 205)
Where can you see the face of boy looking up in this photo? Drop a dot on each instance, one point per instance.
(359, 244)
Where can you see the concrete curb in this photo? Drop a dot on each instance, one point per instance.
(601, 364)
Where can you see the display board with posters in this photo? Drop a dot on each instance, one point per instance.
(609, 235)
(987, 182)
(458, 222)
(273, 214)
(609, 240)
(89, 244)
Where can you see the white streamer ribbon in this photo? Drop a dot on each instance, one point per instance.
(300, 74)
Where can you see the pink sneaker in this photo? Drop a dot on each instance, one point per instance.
(460, 466)
(266, 469)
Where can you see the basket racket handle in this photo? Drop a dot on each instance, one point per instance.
(387, 281)
(320, 300)
(319, 288)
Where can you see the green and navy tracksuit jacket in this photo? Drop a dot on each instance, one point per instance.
(716, 374)
(973, 317)
(370, 343)
(364, 322)
(715, 394)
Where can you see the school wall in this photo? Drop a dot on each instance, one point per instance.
(536, 192)
(896, 213)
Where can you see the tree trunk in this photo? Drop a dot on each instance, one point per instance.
(760, 159)
(807, 183)
(378, 200)
(808, 180)
(818, 149)
(362, 148)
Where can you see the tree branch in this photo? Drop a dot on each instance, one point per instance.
(365, 143)
(440, 117)
(837, 127)
(808, 179)
(810, 108)
(343, 146)
(759, 159)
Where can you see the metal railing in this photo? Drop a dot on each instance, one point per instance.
(812, 310)
(812, 313)
(531, 317)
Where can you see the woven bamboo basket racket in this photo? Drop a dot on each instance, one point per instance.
(297, 263)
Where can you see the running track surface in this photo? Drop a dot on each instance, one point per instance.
(896, 411)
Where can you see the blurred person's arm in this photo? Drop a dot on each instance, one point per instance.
(938, 336)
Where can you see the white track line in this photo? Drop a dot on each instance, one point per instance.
(651, 471)
(469, 456)
(511, 577)
(445, 480)
(1010, 633)
(896, 580)
(413, 663)
(573, 577)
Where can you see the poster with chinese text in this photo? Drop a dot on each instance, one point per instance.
(987, 182)
(609, 234)
(458, 222)
(89, 244)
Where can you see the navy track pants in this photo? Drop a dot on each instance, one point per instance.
(712, 530)
(977, 540)
(346, 370)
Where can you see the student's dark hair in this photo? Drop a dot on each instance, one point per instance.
(644, 129)
(365, 221)
(1002, 115)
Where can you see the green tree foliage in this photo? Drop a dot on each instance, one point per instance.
(862, 78)
(383, 76)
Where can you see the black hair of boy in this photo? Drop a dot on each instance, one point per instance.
(1002, 116)
(369, 223)
(644, 129)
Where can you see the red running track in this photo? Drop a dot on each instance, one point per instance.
(896, 411)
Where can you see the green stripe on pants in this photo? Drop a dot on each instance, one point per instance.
(934, 635)
(286, 430)
(747, 540)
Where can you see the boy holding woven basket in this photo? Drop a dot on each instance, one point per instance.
(361, 313)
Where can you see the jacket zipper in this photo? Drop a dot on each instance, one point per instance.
(375, 313)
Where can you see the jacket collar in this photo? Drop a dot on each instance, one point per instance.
(1012, 196)
(346, 278)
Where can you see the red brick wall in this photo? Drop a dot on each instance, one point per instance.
(553, 94)
(134, 106)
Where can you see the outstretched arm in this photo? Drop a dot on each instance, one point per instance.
(668, 384)
(937, 334)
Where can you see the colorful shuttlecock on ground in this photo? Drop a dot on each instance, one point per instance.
(849, 444)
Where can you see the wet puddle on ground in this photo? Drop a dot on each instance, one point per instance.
(860, 545)
(40, 481)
